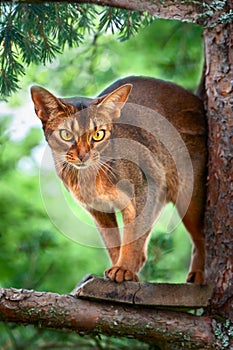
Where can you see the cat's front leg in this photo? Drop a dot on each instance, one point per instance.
(108, 228)
(132, 258)
(133, 249)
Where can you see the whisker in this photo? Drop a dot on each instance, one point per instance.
(104, 170)
(64, 168)
(60, 166)
(109, 169)
(107, 159)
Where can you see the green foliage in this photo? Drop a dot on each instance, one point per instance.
(125, 21)
(168, 50)
(33, 253)
(29, 338)
(33, 33)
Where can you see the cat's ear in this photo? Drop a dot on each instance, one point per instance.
(116, 100)
(45, 103)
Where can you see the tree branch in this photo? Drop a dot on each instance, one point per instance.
(165, 328)
(163, 9)
(170, 9)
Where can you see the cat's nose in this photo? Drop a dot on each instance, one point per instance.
(83, 156)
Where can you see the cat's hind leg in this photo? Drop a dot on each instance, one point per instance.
(193, 223)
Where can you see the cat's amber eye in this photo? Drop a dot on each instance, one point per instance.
(98, 135)
(66, 135)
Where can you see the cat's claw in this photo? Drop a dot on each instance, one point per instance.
(196, 277)
(120, 274)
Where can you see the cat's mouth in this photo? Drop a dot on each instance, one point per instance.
(81, 165)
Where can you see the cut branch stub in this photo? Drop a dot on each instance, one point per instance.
(185, 296)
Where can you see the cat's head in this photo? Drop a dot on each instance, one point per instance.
(75, 134)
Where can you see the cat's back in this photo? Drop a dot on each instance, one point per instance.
(181, 107)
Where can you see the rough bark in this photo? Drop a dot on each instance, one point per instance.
(164, 328)
(219, 213)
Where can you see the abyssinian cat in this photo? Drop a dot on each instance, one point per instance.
(137, 146)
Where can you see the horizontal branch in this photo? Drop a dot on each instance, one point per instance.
(163, 9)
(170, 9)
(164, 328)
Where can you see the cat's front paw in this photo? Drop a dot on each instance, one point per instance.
(120, 274)
(197, 276)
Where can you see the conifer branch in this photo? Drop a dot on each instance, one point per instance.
(38, 32)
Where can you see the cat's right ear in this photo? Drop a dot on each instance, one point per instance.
(45, 103)
(116, 100)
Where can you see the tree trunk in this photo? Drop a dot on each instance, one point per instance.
(219, 211)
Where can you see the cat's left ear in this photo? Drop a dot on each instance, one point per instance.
(45, 103)
(116, 100)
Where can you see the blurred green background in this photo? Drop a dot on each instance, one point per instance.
(34, 253)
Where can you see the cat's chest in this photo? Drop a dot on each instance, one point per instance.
(93, 191)
(102, 196)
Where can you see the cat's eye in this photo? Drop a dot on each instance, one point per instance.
(98, 135)
(66, 135)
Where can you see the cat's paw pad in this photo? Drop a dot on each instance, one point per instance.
(196, 277)
(120, 274)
